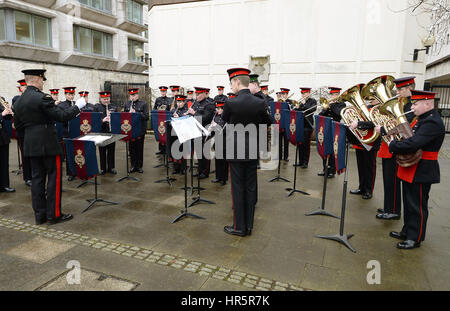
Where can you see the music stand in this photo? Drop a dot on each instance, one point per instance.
(167, 179)
(341, 237)
(278, 177)
(185, 213)
(191, 169)
(294, 189)
(128, 176)
(96, 199)
(322, 210)
(19, 170)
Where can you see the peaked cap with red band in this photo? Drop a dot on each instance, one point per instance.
(220, 87)
(231, 95)
(235, 72)
(404, 81)
(199, 90)
(133, 91)
(305, 90)
(334, 89)
(69, 89)
(174, 88)
(104, 94)
(22, 82)
(180, 97)
(220, 103)
(54, 91)
(284, 90)
(421, 95)
(84, 93)
(264, 87)
(163, 88)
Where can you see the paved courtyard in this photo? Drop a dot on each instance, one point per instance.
(134, 246)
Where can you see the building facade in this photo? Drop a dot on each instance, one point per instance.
(290, 43)
(83, 43)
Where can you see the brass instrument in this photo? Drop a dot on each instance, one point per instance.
(357, 111)
(5, 105)
(394, 108)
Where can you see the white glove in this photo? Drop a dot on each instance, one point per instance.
(80, 103)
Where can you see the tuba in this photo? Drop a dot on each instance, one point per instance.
(394, 108)
(357, 111)
(381, 89)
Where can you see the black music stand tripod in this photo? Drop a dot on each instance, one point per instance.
(128, 176)
(322, 210)
(167, 179)
(19, 170)
(278, 177)
(191, 169)
(96, 199)
(341, 237)
(294, 189)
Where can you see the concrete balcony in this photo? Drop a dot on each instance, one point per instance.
(27, 52)
(29, 9)
(43, 3)
(131, 66)
(77, 9)
(130, 26)
(90, 61)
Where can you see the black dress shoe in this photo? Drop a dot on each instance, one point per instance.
(6, 189)
(304, 166)
(40, 221)
(231, 230)
(160, 152)
(102, 172)
(223, 182)
(216, 181)
(28, 183)
(112, 171)
(380, 210)
(331, 175)
(249, 231)
(388, 216)
(367, 196)
(408, 244)
(70, 178)
(286, 160)
(62, 218)
(203, 176)
(355, 191)
(139, 170)
(321, 174)
(397, 235)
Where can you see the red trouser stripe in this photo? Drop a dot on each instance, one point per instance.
(58, 187)
(395, 189)
(421, 214)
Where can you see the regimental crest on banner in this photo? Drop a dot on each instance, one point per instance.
(320, 136)
(161, 128)
(79, 158)
(126, 126)
(162, 107)
(277, 115)
(336, 145)
(292, 127)
(85, 127)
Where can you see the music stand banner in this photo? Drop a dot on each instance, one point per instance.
(86, 122)
(276, 109)
(126, 123)
(293, 124)
(324, 136)
(339, 144)
(159, 124)
(82, 158)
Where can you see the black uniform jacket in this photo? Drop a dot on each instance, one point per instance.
(88, 108)
(334, 111)
(102, 108)
(4, 137)
(140, 107)
(204, 109)
(245, 109)
(37, 113)
(429, 134)
(309, 121)
(221, 98)
(180, 111)
(66, 105)
(162, 103)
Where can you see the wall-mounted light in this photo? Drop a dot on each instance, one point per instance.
(427, 42)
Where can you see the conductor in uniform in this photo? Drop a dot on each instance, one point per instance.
(137, 147)
(107, 154)
(429, 134)
(243, 110)
(37, 113)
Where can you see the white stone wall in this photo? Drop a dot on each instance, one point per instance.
(59, 76)
(310, 42)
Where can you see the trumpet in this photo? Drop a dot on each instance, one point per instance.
(5, 105)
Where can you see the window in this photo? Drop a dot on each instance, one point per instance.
(90, 41)
(31, 29)
(145, 33)
(134, 12)
(132, 47)
(101, 5)
(2, 25)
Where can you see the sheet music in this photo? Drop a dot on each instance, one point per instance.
(97, 139)
(187, 128)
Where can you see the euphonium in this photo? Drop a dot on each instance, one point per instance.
(357, 111)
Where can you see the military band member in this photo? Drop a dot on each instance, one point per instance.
(204, 111)
(5, 114)
(366, 159)
(137, 146)
(69, 93)
(284, 139)
(218, 125)
(279, 97)
(107, 154)
(20, 132)
(404, 87)
(189, 98)
(306, 103)
(220, 94)
(175, 89)
(180, 110)
(429, 134)
(245, 109)
(333, 112)
(54, 93)
(37, 113)
(89, 107)
(162, 103)
(231, 95)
